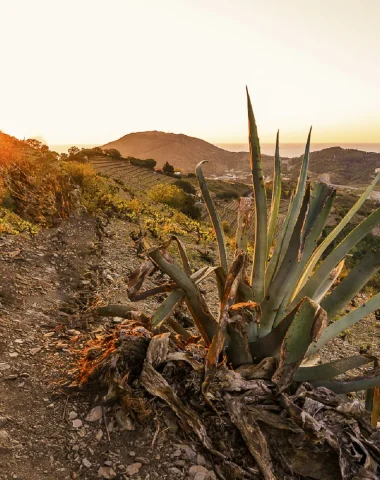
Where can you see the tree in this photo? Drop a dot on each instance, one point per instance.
(167, 168)
(112, 152)
(72, 151)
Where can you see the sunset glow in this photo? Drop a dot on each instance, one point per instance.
(92, 71)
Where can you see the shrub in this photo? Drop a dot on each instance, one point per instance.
(226, 227)
(185, 186)
(167, 168)
(112, 152)
(137, 162)
(168, 194)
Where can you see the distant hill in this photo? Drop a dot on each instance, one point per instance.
(336, 165)
(182, 151)
(343, 166)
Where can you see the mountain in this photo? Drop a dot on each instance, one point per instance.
(335, 165)
(341, 166)
(183, 152)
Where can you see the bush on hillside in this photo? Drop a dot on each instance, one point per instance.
(137, 162)
(168, 194)
(112, 152)
(228, 194)
(176, 198)
(167, 168)
(187, 187)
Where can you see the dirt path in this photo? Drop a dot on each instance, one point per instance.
(46, 285)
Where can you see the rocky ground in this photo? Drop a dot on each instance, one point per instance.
(51, 429)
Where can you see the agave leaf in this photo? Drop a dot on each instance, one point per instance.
(203, 319)
(334, 233)
(331, 370)
(375, 415)
(328, 282)
(290, 220)
(276, 195)
(244, 217)
(138, 276)
(219, 339)
(168, 306)
(354, 385)
(338, 254)
(345, 322)
(214, 217)
(320, 193)
(282, 283)
(270, 345)
(184, 257)
(261, 242)
(352, 284)
(306, 327)
(322, 197)
(143, 294)
(238, 347)
(241, 329)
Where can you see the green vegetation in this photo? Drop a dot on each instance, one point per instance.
(268, 325)
(187, 187)
(176, 198)
(167, 168)
(149, 163)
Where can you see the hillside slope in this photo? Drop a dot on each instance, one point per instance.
(345, 166)
(183, 152)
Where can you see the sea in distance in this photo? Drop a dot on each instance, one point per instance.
(297, 149)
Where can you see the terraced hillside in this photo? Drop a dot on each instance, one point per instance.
(136, 178)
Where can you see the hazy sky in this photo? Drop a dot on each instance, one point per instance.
(90, 71)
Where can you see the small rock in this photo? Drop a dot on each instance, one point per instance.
(124, 422)
(86, 463)
(194, 469)
(73, 415)
(107, 473)
(99, 435)
(73, 332)
(95, 414)
(175, 471)
(200, 476)
(188, 452)
(3, 421)
(5, 439)
(13, 354)
(133, 469)
(33, 351)
(143, 460)
(77, 423)
(201, 460)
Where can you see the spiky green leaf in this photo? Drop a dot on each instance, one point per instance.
(290, 220)
(347, 321)
(307, 325)
(352, 284)
(276, 195)
(333, 234)
(214, 217)
(260, 245)
(330, 370)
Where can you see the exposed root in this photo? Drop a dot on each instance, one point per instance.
(258, 432)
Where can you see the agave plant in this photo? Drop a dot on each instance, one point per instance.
(275, 311)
